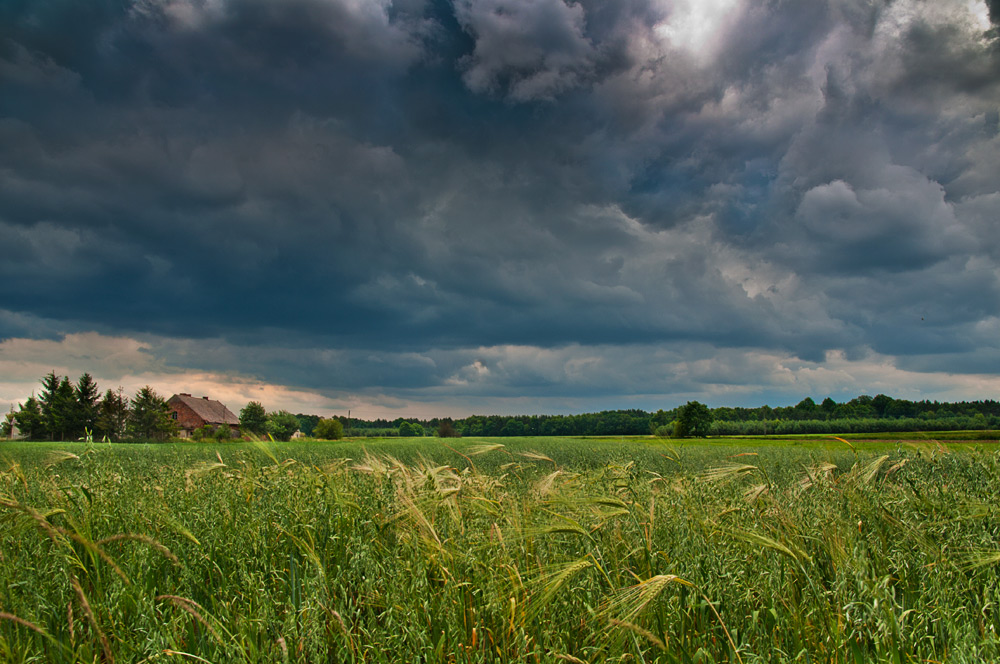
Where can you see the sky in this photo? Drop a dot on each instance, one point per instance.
(427, 208)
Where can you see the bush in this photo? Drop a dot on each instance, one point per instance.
(328, 429)
(410, 429)
(203, 432)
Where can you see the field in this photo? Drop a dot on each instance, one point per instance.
(500, 550)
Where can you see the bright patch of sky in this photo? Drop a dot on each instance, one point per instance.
(696, 26)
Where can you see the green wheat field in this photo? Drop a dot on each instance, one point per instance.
(500, 550)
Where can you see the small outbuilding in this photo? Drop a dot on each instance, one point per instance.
(15, 433)
(191, 413)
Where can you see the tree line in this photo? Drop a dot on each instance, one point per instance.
(64, 410)
(862, 414)
(879, 407)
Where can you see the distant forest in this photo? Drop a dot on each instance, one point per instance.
(863, 414)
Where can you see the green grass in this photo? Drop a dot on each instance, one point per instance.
(500, 550)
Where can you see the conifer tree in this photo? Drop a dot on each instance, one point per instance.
(63, 411)
(150, 416)
(48, 404)
(29, 420)
(113, 415)
(86, 395)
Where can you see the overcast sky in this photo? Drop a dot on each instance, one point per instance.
(433, 207)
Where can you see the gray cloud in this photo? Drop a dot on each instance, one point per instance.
(525, 50)
(410, 182)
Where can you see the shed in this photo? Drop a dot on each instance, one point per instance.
(15, 433)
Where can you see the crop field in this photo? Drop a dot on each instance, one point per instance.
(500, 550)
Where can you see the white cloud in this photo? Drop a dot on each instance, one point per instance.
(505, 379)
(131, 364)
(697, 27)
(109, 356)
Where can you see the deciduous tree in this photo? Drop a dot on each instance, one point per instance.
(329, 429)
(410, 429)
(446, 429)
(282, 424)
(253, 418)
(695, 419)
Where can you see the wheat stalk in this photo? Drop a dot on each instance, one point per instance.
(190, 607)
(87, 611)
(145, 539)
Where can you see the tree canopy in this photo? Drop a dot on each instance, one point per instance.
(695, 419)
(328, 429)
(149, 418)
(253, 418)
(282, 424)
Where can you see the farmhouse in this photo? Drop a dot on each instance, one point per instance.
(192, 413)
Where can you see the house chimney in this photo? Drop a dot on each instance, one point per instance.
(185, 394)
(205, 398)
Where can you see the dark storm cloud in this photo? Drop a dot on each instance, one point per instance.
(994, 9)
(416, 181)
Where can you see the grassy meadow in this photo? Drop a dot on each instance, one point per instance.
(500, 550)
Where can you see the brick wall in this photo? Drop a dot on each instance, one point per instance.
(185, 418)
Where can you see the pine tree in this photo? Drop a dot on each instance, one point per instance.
(8, 424)
(63, 411)
(112, 415)
(47, 401)
(85, 416)
(29, 420)
(150, 417)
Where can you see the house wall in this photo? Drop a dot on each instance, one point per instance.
(186, 418)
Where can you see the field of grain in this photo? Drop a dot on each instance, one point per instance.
(509, 550)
